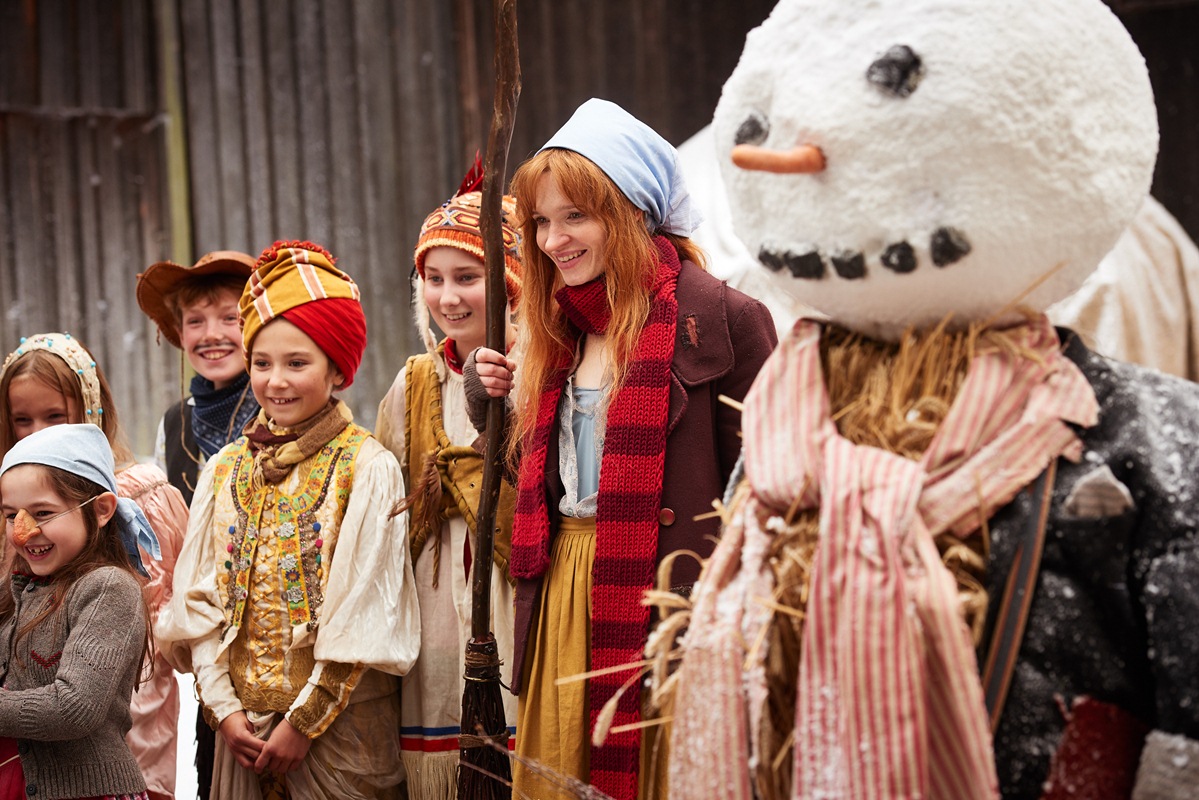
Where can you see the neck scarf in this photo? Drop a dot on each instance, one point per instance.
(277, 450)
(450, 352)
(630, 492)
(218, 415)
(887, 665)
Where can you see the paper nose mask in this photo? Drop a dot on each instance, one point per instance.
(24, 528)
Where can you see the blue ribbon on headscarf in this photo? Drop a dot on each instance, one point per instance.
(83, 450)
(135, 530)
(638, 160)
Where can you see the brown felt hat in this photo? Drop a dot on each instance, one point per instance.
(158, 282)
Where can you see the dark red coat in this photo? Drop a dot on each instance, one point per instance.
(723, 338)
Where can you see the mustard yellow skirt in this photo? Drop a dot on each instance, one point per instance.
(553, 736)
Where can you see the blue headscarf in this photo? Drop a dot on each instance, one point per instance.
(83, 450)
(639, 161)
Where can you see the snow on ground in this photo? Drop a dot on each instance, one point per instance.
(185, 770)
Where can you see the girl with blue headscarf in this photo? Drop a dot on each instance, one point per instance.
(73, 625)
(52, 379)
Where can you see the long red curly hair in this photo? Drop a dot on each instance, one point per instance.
(630, 260)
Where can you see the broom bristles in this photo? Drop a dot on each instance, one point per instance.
(484, 772)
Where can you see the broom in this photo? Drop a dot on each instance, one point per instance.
(484, 772)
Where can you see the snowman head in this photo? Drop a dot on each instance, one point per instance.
(906, 160)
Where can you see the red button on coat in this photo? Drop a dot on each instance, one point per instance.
(666, 516)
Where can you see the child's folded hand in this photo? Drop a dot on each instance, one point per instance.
(238, 734)
(285, 750)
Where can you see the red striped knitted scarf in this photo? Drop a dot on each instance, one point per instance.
(630, 493)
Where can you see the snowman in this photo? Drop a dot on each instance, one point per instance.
(962, 560)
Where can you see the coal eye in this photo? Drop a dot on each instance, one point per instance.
(753, 130)
(897, 72)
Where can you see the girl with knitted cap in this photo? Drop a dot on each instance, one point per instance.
(52, 379)
(626, 345)
(294, 600)
(423, 420)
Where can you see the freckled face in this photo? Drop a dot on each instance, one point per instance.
(211, 338)
(574, 241)
(34, 405)
(290, 375)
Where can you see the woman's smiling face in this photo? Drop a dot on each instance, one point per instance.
(574, 241)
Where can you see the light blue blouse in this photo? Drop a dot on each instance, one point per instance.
(580, 449)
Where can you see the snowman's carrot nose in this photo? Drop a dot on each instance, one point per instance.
(804, 158)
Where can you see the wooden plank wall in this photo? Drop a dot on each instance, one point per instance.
(340, 121)
(325, 120)
(1165, 30)
(347, 122)
(664, 61)
(82, 187)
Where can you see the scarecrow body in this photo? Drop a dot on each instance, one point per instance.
(975, 163)
(1112, 615)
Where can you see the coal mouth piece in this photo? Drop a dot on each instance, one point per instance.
(946, 246)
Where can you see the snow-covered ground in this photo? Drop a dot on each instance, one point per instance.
(185, 770)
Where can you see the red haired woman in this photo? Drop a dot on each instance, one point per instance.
(626, 345)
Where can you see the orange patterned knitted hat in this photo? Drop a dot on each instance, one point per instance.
(455, 223)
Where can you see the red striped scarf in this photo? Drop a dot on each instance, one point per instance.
(630, 492)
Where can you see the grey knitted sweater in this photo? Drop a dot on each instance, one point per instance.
(67, 685)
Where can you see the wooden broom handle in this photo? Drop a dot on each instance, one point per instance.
(495, 164)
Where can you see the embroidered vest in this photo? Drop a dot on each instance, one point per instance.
(304, 523)
(460, 466)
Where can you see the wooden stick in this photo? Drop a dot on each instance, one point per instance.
(507, 93)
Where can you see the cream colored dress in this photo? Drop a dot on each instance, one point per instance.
(432, 692)
(298, 601)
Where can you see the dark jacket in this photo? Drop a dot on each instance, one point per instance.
(1117, 599)
(723, 338)
(181, 467)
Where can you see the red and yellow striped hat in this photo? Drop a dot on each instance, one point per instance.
(299, 282)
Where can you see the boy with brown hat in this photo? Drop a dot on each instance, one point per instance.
(195, 309)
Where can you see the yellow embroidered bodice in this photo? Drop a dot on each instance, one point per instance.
(274, 542)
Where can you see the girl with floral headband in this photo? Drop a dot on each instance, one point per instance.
(52, 379)
(626, 346)
(424, 421)
(294, 600)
